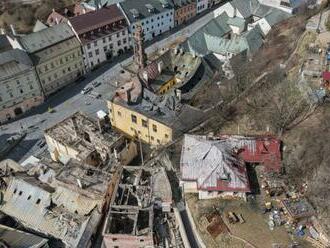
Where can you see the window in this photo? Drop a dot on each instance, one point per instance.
(63, 71)
(119, 43)
(166, 136)
(46, 68)
(111, 46)
(49, 79)
(66, 58)
(158, 141)
(124, 41)
(144, 123)
(31, 87)
(123, 32)
(105, 48)
(119, 113)
(152, 20)
(152, 138)
(95, 43)
(147, 22)
(38, 201)
(61, 61)
(97, 51)
(69, 68)
(134, 119)
(118, 34)
(103, 40)
(89, 46)
(0, 99)
(154, 128)
(52, 64)
(55, 75)
(20, 193)
(17, 81)
(109, 38)
(90, 54)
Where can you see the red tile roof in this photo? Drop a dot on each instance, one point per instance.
(97, 19)
(326, 75)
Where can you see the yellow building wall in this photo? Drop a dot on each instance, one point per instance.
(167, 86)
(121, 118)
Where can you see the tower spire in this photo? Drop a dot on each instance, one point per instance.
(140, 57)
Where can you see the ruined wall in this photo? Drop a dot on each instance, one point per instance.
(127, 241)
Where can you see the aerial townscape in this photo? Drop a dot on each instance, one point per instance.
(164, 123)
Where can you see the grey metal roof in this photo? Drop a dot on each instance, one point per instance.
(102, 3)
(47, 37)
(13, 62)
(129, 6)
(276, 16)
(18, 239)
(211, 161)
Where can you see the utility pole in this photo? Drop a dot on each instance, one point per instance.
(141, 152)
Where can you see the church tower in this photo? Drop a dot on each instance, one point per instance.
(140, 57)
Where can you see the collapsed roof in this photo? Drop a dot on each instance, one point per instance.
(213, 165)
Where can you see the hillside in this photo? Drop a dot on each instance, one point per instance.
(23, 14)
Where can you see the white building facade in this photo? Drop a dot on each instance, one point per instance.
(201, 5)
(155, 17)
(103, 34)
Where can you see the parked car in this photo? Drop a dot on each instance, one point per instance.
(86, 90)
(95, 95)
(96, 84)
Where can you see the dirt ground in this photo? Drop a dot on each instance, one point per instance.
(255, 230)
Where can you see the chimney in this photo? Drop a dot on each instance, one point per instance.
(66, 11)
(2, 31)
(178, 94)
(160, 65)
(56, 20)
(145, 76)
(79, 183)
(99, 124)
(84, 10)
(53, 10)
(75, 126)
(13, 31)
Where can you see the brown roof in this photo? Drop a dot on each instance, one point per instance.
(96, 19)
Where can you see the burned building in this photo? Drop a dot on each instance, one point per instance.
(216, 166)
(82, 138)
(138, 195)
(62, 203)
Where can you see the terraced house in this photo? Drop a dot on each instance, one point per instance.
(19, 86)
(155, 16)
(56, 54)
(184, 10)
(103, 34)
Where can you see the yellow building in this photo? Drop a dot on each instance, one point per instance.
(154, 119)
(139, 125)
(56, 54)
